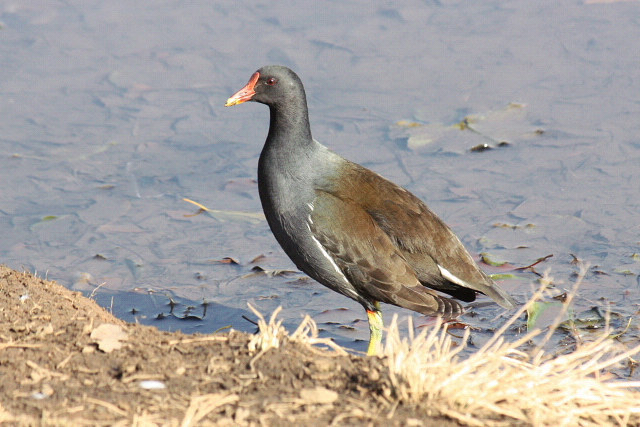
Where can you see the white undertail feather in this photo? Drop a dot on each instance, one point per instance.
(452, 278)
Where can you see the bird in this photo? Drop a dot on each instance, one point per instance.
(349, 228)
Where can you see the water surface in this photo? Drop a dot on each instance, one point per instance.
(112, 113)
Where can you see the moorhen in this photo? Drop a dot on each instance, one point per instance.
(349, 228)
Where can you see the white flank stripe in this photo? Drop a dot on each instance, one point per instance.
(309, 217)
(334, 265)
(328, 257)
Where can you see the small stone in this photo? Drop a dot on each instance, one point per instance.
(109, 337)
(374, 375)
(152, 385)
(319, 395)
(324, 365)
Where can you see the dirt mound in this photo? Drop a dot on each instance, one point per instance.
(65, 360)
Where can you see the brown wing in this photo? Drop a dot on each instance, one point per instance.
(434, 252)
(369, 259)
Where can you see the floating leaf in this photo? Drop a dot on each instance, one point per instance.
(226, 260)
(624, 271)
(504, 225)
(543, 314)
(256, 259)
(500, 125)
(406, 123)
(45, 220)
(427, 135)
(480, 148)
(497, 128)
(512, 226)
(489, 260)
(587, 319)
(592, 318)
(503, 276)
(259, 271)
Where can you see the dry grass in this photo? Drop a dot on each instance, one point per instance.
(272, 334)
(201, 406)
(500, 384)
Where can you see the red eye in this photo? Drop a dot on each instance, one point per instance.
(272, 81)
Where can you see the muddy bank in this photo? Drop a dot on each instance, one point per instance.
(54, 372)
(64, 360)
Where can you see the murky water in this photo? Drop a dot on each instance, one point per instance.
(112, 112)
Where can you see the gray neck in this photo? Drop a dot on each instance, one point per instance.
(289, 126)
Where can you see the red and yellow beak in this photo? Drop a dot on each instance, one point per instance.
(246, 93)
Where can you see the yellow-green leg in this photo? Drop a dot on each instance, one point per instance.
(375, 329)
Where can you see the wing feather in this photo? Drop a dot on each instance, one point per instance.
(370, 260)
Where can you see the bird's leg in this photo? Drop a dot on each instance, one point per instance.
(375, 329)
